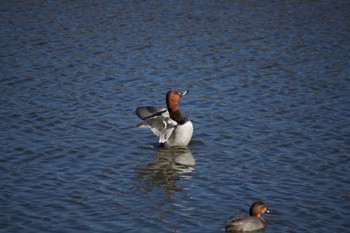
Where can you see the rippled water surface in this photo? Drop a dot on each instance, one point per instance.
(269, 98)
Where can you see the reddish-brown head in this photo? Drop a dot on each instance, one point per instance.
(172, 100)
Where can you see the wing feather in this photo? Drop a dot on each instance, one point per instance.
(150, 111)
(161, 126)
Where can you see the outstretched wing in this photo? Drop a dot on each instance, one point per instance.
(151, 111)
(158, 120)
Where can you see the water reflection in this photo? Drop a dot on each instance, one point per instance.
(166, 168)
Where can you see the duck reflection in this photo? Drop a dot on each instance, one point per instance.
(166, 168)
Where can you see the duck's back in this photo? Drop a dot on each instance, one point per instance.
(244, 223)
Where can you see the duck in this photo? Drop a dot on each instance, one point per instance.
(169, 124)
(253, 222)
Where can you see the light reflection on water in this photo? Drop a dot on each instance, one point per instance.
(165, 169)
(269, 100)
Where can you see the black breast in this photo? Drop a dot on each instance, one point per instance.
(179, 117)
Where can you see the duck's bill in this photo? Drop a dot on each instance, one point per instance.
(268, 211)
(183, 93)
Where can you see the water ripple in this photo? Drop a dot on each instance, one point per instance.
(269, 100)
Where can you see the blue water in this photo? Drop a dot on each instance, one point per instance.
(269, 98)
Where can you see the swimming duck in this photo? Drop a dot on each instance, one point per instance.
(253, 222)
(171, 126)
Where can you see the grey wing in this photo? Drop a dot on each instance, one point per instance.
(151, 111)
(244, 223)
(235, 224)
(161, 126)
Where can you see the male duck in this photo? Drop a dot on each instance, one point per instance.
(171, 126)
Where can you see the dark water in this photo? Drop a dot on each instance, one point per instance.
(269, 99)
